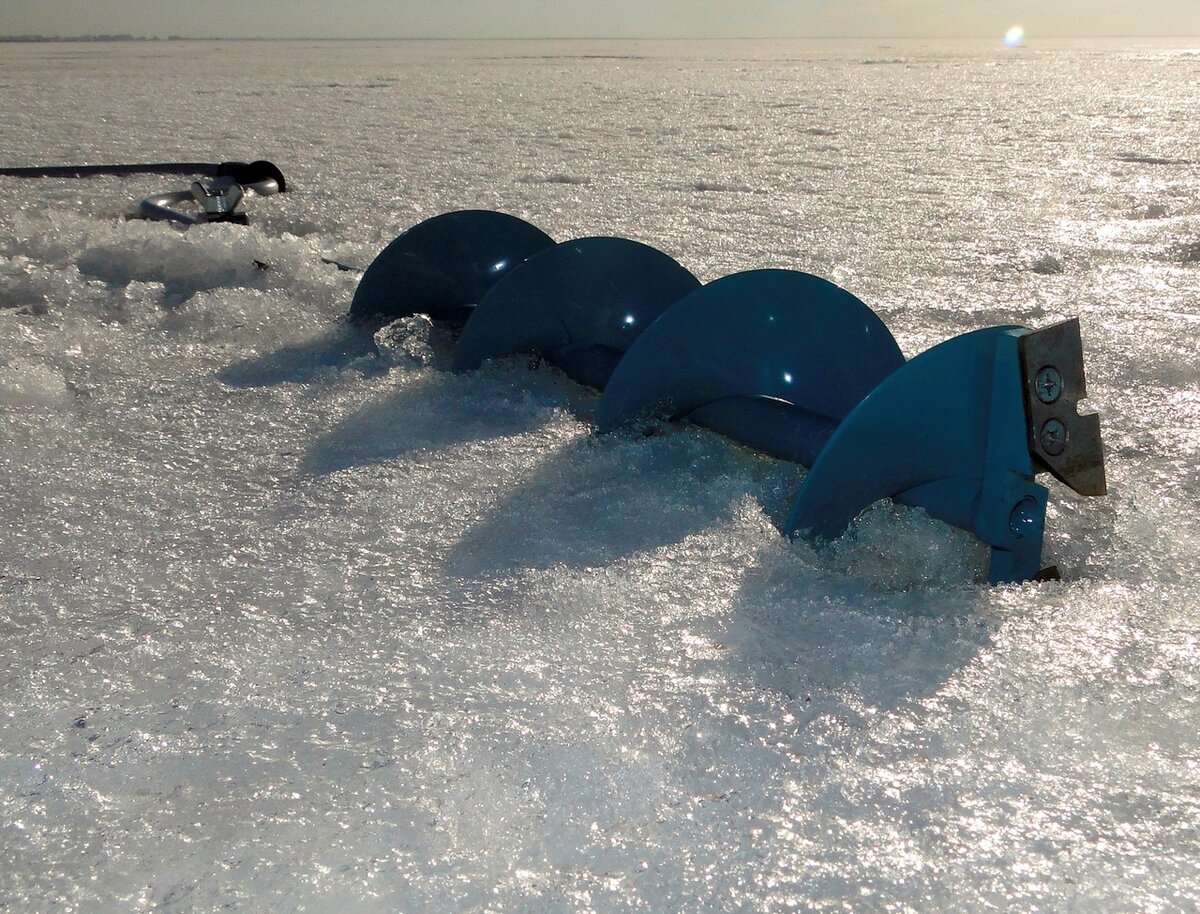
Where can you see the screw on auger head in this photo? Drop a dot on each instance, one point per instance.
(1049, 384)
(1064, 442)
(1053, 437)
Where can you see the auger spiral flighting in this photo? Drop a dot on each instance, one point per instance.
(780, 360)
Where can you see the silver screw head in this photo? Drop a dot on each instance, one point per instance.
(1053, 437)
(1048, 383)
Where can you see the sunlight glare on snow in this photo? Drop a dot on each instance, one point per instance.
(297, 618)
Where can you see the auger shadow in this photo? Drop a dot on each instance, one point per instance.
(440, 409)
(421, 417)
(603, 498)
(302, 362)
(844, 644)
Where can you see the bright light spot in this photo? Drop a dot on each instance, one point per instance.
(499, 266)
(787, 377)
(1015, 37)
(630, 320)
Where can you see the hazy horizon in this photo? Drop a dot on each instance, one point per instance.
(617, 19)
(164, 36)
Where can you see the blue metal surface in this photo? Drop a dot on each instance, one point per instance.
(779, 360)
(775, 427)
(443, 266)
(772, 358)
(580, 304)
(947, 433)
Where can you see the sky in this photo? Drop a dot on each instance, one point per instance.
(600, 18)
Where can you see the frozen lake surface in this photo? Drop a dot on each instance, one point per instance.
(286, 626)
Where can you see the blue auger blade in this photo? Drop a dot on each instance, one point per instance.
(580, 304)
(443, 266)
(949, 432)
(772, 358)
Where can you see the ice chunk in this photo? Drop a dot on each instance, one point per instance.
(24, 383)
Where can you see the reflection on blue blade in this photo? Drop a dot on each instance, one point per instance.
(792, 338)
(443, 266)
(581, 304)
(947, 433)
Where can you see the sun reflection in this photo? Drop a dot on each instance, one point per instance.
(1015, 36)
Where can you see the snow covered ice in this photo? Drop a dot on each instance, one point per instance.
(289, 623)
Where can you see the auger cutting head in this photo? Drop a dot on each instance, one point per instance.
(783, 361)
(1063, 442)
(955, 431)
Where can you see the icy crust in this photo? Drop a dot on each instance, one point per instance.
(293, 619)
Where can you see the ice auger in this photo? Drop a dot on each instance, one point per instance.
(780, 360)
